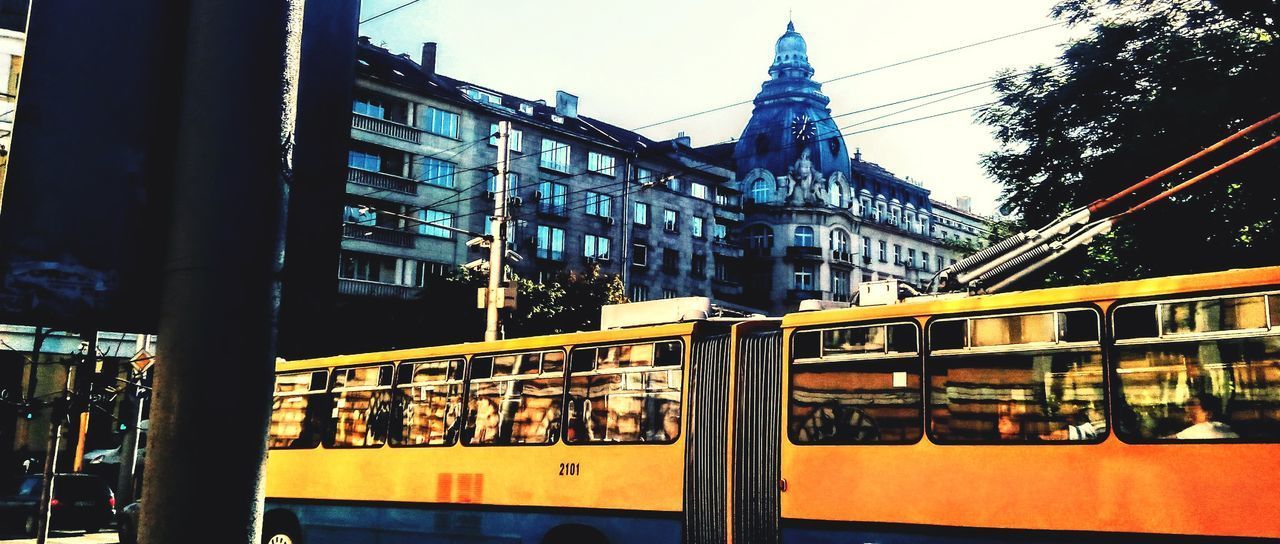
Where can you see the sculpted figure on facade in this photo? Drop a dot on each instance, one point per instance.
(805, 187)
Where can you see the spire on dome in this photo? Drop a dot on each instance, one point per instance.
(791, 55)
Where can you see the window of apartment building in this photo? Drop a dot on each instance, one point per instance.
(513, 182)
(360, 215)
(595, 247)
(526, 109)
(550, 243)
(762, 191)
(599, 204)
(879, 214)
(866, 247)
(639, 293)
(437, 172)
(515, 138)
(555, 155)
(839, 240)
(722, 270)
(645, 175)
(670, 261)
(760, 237)
(884, 252)
(719, 231)
(640, 255)
(698, 265)
(897, 253)
(671, 220)
(865, 205)
(669, 293)
(600, 163)
(484, 97)
(430, 221)
(940, 263)
(840, 285)
(924, 260)
(364, 161)
(836, 195)
(369, 107)
(804, 275)
(673, 183)
(804, 237)
(381, 269)
(642, 214)
(552, 197)
(695, 226)
(911, 257)
(699, 190)
(440, 122)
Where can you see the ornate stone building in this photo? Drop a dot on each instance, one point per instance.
(817, 223)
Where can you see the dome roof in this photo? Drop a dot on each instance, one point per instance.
(790, 48)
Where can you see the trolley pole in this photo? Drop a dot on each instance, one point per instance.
(498, 227)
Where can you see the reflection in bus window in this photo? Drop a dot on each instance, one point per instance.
(1200, 369)
(625, 393)
(515, 398)
(428, 403)
(299, 409)
(856, 385)
(361, 407)
(1041, 379)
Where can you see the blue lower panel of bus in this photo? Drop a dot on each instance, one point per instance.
(332, 523)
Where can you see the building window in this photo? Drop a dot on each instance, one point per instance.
(940, 264)
(699, 190)
(719, 231)
(640, 255)
(440, 122)
(644, 175)
(369, 108)
(924, 260)
(551, 197)
(804, 274)
(484, 97)
(760, 237)
(437, 172)
(359, 215)
(698, 266)
(761, 191)
(866, 247)
(599, 205)
(669, 293)
(555, 155)
(722, 270)
(866, 206)
(550, 243)
(884, 253)
(804, 237)
(595, 247)
(911, 258)
(513, 182)
(430, 221)
(671, 220)
(695, 226)
(670, 261)
(364, 161)
(673, 184)
(642, 214)
(840, 286)
(600, 163)
(897, 253)
(515, 138)
(836, 195)
(839, 241)
(526, 109)
(639, 293)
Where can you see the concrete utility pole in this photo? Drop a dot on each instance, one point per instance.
(221, 277)
(497, 246)
(57, 416)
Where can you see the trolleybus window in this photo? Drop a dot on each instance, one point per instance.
(1016, 378)
(428, 403)
(299, 410)
(1199, 369)
(361, 407)
(625, 393)
(515, 398)
(856, 385)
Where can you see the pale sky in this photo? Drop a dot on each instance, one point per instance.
(636, 63)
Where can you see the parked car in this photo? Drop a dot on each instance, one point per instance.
(80, 501)
(127, 524)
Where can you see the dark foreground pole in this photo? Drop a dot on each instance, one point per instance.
(221, 278)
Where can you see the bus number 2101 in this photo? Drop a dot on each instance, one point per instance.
(569, 469)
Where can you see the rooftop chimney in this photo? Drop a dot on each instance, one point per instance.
(566, 104)
(857, 154)
(684, 139)
(429, 58)
(964, 202)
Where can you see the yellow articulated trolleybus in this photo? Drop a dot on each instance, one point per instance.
(1145, 410)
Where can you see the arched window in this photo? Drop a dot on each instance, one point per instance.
(760, 237)
(837, 195)
(804, 237)
(762, 191)
(839, 240)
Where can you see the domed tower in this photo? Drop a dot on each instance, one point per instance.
(791, 116)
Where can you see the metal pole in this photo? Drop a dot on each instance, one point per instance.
(51, 457)
(628, 166)
(129, 446)
(221, 277)
(84, 374)
(498, 227)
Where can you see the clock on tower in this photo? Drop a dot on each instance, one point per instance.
(802, 128)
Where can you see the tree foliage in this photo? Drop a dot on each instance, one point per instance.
(1151, 83)
(567, 302)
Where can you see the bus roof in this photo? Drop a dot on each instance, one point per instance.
(513, 344)
(1230, 279)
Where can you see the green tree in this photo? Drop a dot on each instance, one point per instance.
(567, 302)
(1151, 83)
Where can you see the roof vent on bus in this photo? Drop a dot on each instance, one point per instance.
(654, 312)
(879, 293)
(813, 305)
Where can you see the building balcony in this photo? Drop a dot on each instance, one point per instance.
(729, 215)
(385, 182)
(841, 256)
(804, 253)
(378, 235)
(803, 294)
(362, 288)
(721, 247)
(386, 128)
